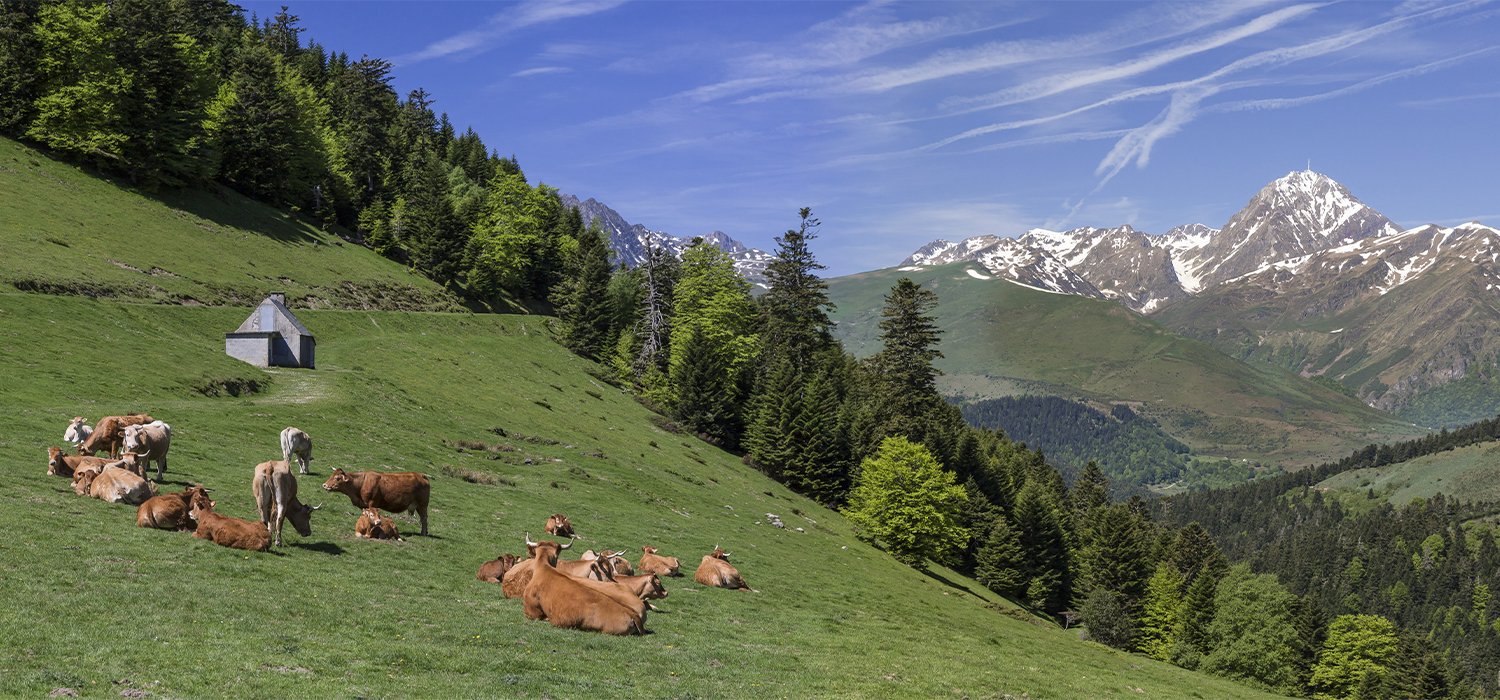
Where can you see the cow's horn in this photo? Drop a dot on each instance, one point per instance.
(569, 544)
(529, 543)
(320, 505)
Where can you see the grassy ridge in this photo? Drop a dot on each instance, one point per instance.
(64, 231)
(1003, 338)
(1467, 473)
(87, 598)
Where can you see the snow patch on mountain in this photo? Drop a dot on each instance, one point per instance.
(630, 241)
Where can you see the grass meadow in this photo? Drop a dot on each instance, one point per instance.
(91, 602)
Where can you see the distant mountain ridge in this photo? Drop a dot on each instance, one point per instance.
(629, 240)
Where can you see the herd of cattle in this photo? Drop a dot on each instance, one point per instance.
(599, 592)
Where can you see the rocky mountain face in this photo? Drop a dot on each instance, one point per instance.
(1306, 276)
(629, 241)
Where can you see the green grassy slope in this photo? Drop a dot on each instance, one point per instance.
(88, 599)
(64, 231)
(1003, 338)
(1468, 473)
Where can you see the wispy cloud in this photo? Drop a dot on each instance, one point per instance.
(544, 70)
(1444, 101)
(524, 14)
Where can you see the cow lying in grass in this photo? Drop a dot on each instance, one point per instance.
(169, 511)
(373, 525)
(716, 571)
(570, 603)
(494, 571)
(77, 432)
(60, 463)
(647, 587)
(225, 531)
(653, 564)
(114, 484)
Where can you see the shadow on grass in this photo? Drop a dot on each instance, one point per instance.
(322, 547)
(226, 207)
(945, 580)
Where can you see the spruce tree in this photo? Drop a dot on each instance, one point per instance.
(1194, 618)
(704, 400)
(776, 408)
(20, 53)
(1115, 558)
(796, 305)
(1155, 634)
(1044, 541)
(1000, 564)
(583, 301)
(165, 103)
(1194, 553)
(904, 365)
(817, 467)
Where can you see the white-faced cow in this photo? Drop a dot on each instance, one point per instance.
(390, 491)
(651, 563)
(77, 432)
(716, 571)
(151, 441)
(296, 442)
(109, 434)
(568, 603)
(275, 492)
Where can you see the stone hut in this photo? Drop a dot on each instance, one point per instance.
(272, 337)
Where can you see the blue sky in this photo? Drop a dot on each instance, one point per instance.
(902, 123)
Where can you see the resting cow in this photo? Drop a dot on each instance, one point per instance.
(559, 526)
(109, 434)
(225, 531)
(568, 603)
(493, 571)
(519, 576)
(375, 527)
(390, 491)
(647, 587)
(77, 432)
(586, 568)
(116, 485)
(60, 463)
(275, 492)
(296, 442)
(150, 441)
(617, 563)
(83, 478)
(653, 564)
(169, 511)
(716, 571)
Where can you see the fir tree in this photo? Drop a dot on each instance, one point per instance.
(817, 467)
(1155, 635)
(1194, 618)
(1044, 540)
(1000, 564)
(904, 365)
(165, 104)
(704, 400)
(583, 301)
(20, 53)
(1194, 553)
(1115, 558)
(776, 408)
(796, 303)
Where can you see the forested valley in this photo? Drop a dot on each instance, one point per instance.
(1267, 583)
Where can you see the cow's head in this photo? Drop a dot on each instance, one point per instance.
(55, 463)
(508, 561)
(720, 554)
(301, 516)
(655, 591)
(83, 480)
(338, 481)
(648, 549)
(546, 548)
(133, 438)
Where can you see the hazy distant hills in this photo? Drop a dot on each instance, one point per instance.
(1307, 277)
(629, 241)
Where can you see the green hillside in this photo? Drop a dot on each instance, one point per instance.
(1467, 473)
(64, 231)
(1003, 339)
(90, 599)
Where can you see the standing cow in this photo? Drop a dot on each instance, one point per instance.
(109, 434)
(150, 442)
(296, 442)
(275, 492)
(716, 571)
(392, 491)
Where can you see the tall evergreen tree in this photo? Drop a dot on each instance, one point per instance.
(1115, 558)
(705, 402)
(1194, 619)
(776, 408)
(170, 89)
(796, 303)
(904, 364)
(583, 302)
(818, 467)
(20, 54)
(1001, 563)
(1044, 540)
(1155, 635)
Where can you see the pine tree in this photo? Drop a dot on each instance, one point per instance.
(265, 127)
(1000, 564)
(170, 89)
(704, 399)
(1115, 558)
(1194, 618)
(430, 230)
(583, 302)
(1044, 541)
(818, 467)
(904, 365)
(20, 53)
(1155, 634)
(796, 303)
(1194, 553)
(775, 409)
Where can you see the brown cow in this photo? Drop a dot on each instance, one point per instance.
(275, 492)
(653, 564)
(647, 587)
(169, 511)
(83, 478)
(375, 527)
(586, 568)
(151, 441)
(115, 484)
(494, 571)
(568, 603)
(716, 571)
(519, 576)
(109, 434)
(618, 564)
(130, 462)
(225, 531)
(392, 491)
(60, 463)
(559, 526)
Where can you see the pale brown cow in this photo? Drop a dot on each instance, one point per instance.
(169, 511)
(83, 478)
(225, 531)
(617, 562)
(117, 485)
(494, 571)
(390, 491)
(150, 441)
(294, 442)
(131, 462)
(275, 492)
(60, 463)
(558, 526)
(568, 603)
(519, 576)
(716, 571)
(586, 568)
(375, 527)
(651, 563)
(647, 587)
(109, 434)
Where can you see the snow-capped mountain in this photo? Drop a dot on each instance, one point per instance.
(1120, 262)
(629, 241)
(1008, 258)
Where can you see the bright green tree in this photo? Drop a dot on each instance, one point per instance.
(513, 235)
(80, 108)
(1254, 633)
(904, 499)
(711, 298)
(1155, 634)
(266, 124)
(1358, 646)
